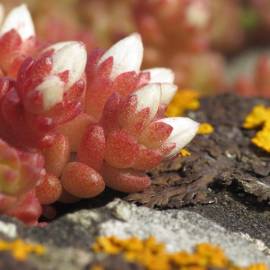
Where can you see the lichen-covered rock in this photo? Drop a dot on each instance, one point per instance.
(68, 239)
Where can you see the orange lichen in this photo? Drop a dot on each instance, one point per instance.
(205, 129)
(184, 100)
(262, 139)
(153, 255)
(184, 153)
(260, 117)
(20, 249)
(257, 117)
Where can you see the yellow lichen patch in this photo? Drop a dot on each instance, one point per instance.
(260, 117)
(257, 266)
(184, 100)
(205, 129)
(20, 249)
(262, 139)
(184, 153)
(153, 255)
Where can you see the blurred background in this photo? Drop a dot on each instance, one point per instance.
(212, 45)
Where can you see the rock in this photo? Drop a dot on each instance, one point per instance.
(178, 229)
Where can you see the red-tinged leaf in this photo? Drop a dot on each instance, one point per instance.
(92, 147)
(76, 92)
(125, 180)
(10, 44)
(121, 149)
(97, 94)
(125, 83)
(27, 209)
(147, 159)
(23, 73)
(31, 170)
(110, 115)
(6, 84)
(60, 114)
(155, 134)
(13, 52)
(127, 110)
(49, 190)
(81, 180)
(92, 61)
(57, 155)
(143, 79)
(75, 129)
(41, 67)
(131, 120)
(104, 69)
(166, 149)
(12, 111)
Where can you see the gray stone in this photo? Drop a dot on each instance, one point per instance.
(68, 240)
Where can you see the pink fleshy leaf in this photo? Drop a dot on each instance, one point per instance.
(92, 147)
(92, 61)
(13, 51)
(98, 91)
(110, 115)
(10, 42)
(130, 119)
(75, 129)
(121, 149)
(125, 180)
(49, 190)
(81, 180)
(147, 159)
(28, 209)
(57, 155)
(125, 83)
(155, 134)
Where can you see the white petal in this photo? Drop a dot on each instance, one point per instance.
(127, 55)
(71, 56)
(161, 75)
(168, 91)
(2, 13)
(19, 19)
(52, 89)
(184, 130)
(149, 97)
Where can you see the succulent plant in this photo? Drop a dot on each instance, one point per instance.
(94, 119)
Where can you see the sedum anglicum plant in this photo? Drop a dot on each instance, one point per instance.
(73, 123)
